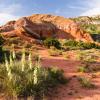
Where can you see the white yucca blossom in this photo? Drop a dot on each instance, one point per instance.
(8, 68)
(23, 60)
(30, 60)
(38, 64)
(11, 61)
(6, 63)
(9, 74)
(35, 75)
(13, 52)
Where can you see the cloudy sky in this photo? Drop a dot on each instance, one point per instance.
(14, 9)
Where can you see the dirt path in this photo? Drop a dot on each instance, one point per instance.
(72, 90)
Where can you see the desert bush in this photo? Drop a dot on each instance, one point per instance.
(72, 44)
(1, 49)
(23, 78)
(54, 52)
(86, 82)
(52, 42)
(89, 56)
(84, 68)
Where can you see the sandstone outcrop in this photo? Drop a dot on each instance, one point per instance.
(39, 26)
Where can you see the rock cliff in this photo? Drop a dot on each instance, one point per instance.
(39, 26)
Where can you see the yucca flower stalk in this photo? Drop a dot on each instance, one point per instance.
(13, 53)
(9, 74)
(11, 61)
(8, 68)
(6, 63)
(35, 75)
(23, 59)
(37, 70)
(38, 64)
(30, 60)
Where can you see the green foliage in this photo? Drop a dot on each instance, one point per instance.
(52, 42)
(23, 78)
(1, 50)
(85, 82)
(91, 28)
(72, 44)
(1, 40)
(84, 68)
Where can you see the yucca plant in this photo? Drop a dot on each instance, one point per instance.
(23, 78)
(8, 68)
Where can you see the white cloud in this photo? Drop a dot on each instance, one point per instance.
(76, 7)
(13, 8)
(91, 12)
(9, 13)
(5, 17)
(93, 8)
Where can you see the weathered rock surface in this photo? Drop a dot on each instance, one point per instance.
(40, 26)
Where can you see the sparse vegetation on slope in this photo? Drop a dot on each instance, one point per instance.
(72, 44)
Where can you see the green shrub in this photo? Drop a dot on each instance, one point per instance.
(84, 68)
(72, 44)
(1, 50)
(85, 82)
(52, 42)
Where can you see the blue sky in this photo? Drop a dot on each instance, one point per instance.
(14, 9)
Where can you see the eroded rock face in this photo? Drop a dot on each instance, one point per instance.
(40, 26)
(7, 27)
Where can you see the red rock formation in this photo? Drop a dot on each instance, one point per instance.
(41, 26)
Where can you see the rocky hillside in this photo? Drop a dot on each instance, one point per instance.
(40, 26)
(90, 25)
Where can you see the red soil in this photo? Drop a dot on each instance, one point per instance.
(72, 90)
